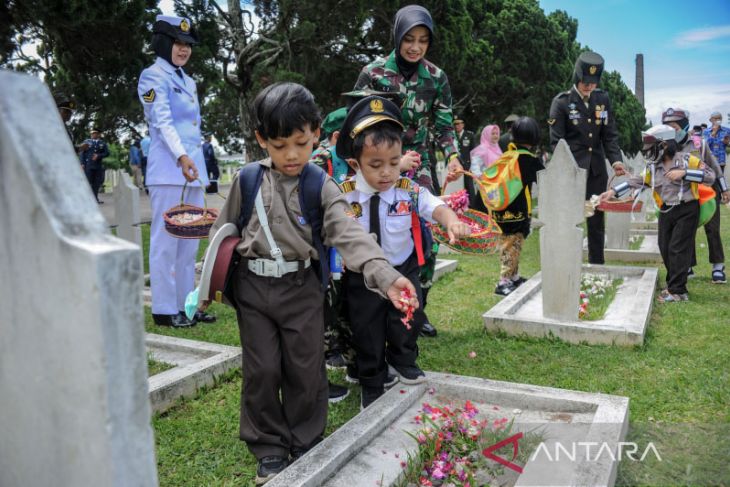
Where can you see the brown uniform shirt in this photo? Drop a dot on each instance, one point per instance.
(669, 191)
(280, 194)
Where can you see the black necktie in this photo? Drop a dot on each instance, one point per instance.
(375, 216)
(179, 73)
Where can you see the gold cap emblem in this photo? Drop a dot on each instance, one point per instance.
(593, 69)
(184, 25)
(376, 106)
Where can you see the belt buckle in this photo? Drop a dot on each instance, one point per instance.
(270, 268)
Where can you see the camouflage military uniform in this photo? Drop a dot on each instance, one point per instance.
(425, 100)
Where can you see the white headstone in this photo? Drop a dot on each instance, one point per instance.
(73, 371)
(618, 225)
(126, 209)
(562, 194)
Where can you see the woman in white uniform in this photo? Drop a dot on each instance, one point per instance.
(170, 102)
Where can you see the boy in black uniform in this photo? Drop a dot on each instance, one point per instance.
(515, 219)
(389, 206)
(277, 295)
(584, 118)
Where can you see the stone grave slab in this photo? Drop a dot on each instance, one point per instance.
(367, 450)
(73, 369)
(648, 250)
(624, 323)
(197, 364)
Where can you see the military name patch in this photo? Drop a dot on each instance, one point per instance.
(149, 97)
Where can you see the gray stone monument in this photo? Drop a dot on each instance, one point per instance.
(561, 212)
(73, 367)
(126, 209)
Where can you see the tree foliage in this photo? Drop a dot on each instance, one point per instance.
(501, 56)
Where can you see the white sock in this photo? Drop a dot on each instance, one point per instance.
(718, 267)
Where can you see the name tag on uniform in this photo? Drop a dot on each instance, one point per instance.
(400, 208)
(177, 90)
(574, 115)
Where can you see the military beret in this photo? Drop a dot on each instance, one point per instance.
(333, 121)
(178, 28)
(588, 67)
(364, 114)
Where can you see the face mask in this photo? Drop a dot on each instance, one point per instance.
(363, 185)
(715, 123)
(681, 134)
(191, 303)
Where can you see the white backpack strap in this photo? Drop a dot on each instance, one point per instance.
(261, 213)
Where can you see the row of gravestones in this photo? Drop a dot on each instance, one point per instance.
(73, 367)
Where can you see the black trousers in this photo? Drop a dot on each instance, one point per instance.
(284, 394)
(677, 227)
(712, 231)
(377, 331)
(95, 175)
(596, 224)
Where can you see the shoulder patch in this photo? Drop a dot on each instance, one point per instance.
(149, 97)
(404, 183)
(348, 186)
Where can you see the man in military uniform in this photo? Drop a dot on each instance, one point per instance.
(66, 107)
(211, 164)
(584, 118)
(467, 142)
(92, 156)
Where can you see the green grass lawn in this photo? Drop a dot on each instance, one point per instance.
(678, 381)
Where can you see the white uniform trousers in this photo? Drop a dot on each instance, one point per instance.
(172, 260)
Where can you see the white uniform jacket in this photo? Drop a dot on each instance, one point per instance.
(173, 115)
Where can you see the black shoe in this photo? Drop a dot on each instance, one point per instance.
(519, 281)
(409, 374)
(99, 202)
(175, 321)
(690, 273)
(268, 467)
(335, 361)
(297, 453)
(718, 276)
(505, 289)
(337, 392)
(427, 330)
(390, 380)
(202, 316)
(369, 395)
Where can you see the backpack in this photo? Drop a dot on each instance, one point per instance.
(501, 183)
(311, 180)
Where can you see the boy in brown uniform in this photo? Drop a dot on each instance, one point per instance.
(279, 303)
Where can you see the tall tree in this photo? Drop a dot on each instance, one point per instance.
(94, 54)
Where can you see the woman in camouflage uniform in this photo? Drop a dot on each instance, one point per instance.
(423, 93)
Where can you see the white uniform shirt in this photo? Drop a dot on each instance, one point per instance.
(395, 217)
(173, 114)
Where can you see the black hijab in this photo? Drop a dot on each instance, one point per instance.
(162, 46)
(406, 19)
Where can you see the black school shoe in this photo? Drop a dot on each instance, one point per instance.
(268, 467)
(410, 374)
(519, 281)
(369, 395)
(337, 392)
(202, 316)
(718, 276)
(176, 321)
(505, 289)
(428, 330)
(352, 377)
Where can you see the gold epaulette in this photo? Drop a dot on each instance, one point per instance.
(404, 183)
(348, 186)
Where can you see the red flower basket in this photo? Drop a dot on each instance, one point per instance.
(484, 238)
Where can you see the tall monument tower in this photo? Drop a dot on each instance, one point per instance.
(639, 88)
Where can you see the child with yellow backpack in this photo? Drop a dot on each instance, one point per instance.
(675, 177)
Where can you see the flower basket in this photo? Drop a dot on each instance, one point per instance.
(189, 221)
(620, 206)
(485, 233)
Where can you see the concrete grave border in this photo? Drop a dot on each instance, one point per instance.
(616, 328)
(609, 424)
(199, 364)
(648, 250)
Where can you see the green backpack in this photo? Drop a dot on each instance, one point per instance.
(501, 182)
